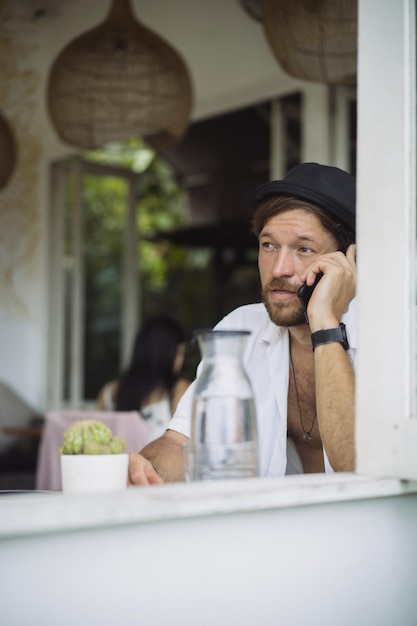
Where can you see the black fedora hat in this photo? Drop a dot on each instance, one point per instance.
(331, 188)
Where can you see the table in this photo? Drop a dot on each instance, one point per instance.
(34, 432)
(129, 425)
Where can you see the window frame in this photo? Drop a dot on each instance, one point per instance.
(386, 423)
(130, 306)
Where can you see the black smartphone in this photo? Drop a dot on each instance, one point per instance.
(305, 291)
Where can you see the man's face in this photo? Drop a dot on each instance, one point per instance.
(288, 244)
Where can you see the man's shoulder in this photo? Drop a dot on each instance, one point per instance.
(245, 317)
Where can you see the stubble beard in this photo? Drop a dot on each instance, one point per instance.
(283, 313)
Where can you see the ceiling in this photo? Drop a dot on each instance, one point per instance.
(28, 10)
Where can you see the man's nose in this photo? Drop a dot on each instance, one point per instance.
(284, 263)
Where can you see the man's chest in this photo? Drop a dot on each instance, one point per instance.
(301, 412)
(302, 423)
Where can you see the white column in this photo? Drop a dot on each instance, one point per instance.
(77, 293)
(278, 141)
(316, 125)
(342, 98)
(131, 286)
(386, 437)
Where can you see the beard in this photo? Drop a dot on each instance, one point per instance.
(283, 313)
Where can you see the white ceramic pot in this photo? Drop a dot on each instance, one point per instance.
(94, 473)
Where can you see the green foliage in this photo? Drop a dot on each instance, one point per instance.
(91, 437)
(161, 207)
(171, 278)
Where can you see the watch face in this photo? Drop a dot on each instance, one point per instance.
(345, 341)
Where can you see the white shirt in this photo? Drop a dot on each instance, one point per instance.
(158, 416)
(266, 359)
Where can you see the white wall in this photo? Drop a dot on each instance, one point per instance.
(345, 563)
(22, 264)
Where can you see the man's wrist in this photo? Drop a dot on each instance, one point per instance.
(330, 335)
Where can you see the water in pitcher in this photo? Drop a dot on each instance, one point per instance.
(228, 447)
(224, 442)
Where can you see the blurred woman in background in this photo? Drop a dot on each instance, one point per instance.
(148, 383)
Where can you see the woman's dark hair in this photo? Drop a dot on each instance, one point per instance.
(278, 204)
(152, 363)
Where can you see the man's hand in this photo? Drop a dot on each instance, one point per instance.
(336, 289)
(142, 472)
(160, 461)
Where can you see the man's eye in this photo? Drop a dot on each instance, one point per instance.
(267, 245)
(306, 250)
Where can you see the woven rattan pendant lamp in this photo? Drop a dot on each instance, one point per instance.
(116, 81)
(314, 39)
(7, 152)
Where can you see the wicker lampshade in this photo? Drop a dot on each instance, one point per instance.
(116, 81)
(314, 39)
(7, 152)
(253, 8)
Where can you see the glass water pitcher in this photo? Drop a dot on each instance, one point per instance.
(224, 439)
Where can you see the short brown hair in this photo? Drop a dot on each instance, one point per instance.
(274, 205)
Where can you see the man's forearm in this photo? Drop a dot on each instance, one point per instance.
(167, 456)
(335, 398)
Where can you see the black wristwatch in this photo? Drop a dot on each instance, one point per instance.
(330, 335)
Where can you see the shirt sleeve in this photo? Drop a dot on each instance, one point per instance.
(181, 420)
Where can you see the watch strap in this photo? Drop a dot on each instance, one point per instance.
(330, 335)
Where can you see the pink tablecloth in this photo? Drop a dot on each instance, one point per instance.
(131, 426)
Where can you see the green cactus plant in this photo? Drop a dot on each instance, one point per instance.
(89, 436)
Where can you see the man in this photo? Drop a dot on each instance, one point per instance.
(301, 371)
